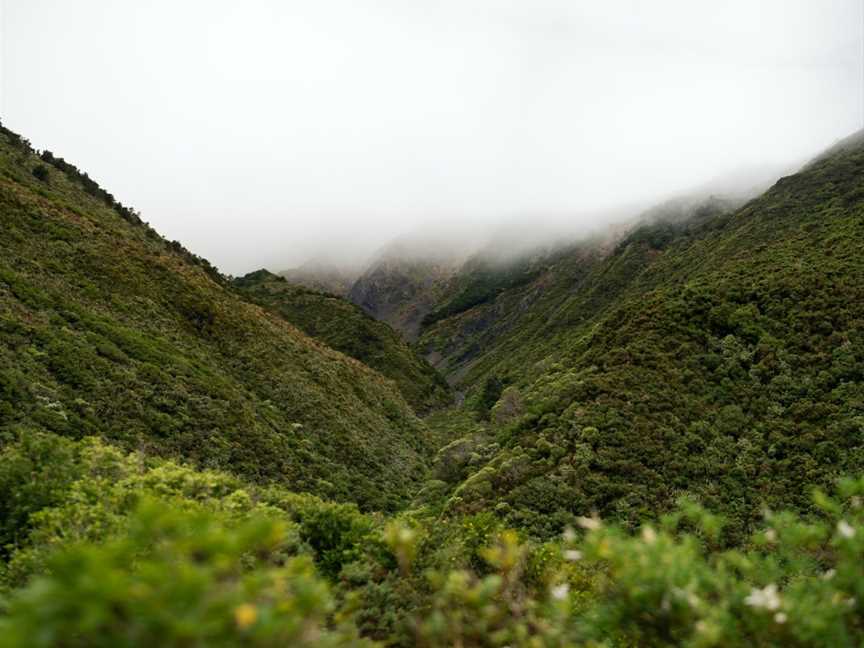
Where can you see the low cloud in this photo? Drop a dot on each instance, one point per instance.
(269, 133)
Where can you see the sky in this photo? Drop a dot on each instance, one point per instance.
(265, 132)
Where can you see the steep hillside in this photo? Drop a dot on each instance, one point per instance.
(720, 356)
(345, 327)
(491, 307)
(106, 329)
(650, 403)
(404, 285)
(500, 310)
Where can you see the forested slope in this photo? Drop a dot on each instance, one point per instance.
(720, 357)
(347, 328)
(649, 405)
(107, 329)
(500, 310)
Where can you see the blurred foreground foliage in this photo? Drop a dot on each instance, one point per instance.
(103, 548)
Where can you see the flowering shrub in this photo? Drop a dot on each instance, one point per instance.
(123, 551)
(177, 579)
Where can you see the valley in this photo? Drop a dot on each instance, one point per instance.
(649, 435)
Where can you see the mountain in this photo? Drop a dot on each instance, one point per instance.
(416, 279)
(498, 301)
(107, 329)
(718, 356)
(646, 413)
(345, 327)
(404, 284)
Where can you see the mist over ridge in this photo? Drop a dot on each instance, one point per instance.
(277, 133)
(400, 323)
(516, 235)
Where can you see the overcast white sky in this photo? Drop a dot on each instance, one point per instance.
(259, 131)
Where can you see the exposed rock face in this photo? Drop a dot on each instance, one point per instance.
(402, 292)
(410, 277)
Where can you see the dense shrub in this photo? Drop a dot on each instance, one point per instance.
(176, 578)
(35, 473)
(40, 172)
(137, 553)
(487, 397)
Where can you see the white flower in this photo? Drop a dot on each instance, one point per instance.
(828, 575)
(560, 592)
(780, 618)
(569, 534)
(845, 529)
(687, 595)
(766, 598)
(572, 555)
(591, 524)
(771, 535)
(649, 535)
(837, 599)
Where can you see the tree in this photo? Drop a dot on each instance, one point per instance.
(489, 395)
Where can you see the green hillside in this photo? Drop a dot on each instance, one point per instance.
(719, 357)
(660, 444)
(107, 329)
(345, 327)
(493, 308)
(496, 310)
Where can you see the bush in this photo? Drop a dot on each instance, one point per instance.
(35, 473)
(487, 397)
(114, 550)
(41, 173)
(337, 533)
(177, 579)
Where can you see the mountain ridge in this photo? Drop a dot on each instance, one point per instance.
(645, 413)
(347, 328)
(712, 323)
(95, 305)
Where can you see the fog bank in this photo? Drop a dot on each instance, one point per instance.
(268, 133)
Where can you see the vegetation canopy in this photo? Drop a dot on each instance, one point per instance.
(651, 437)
